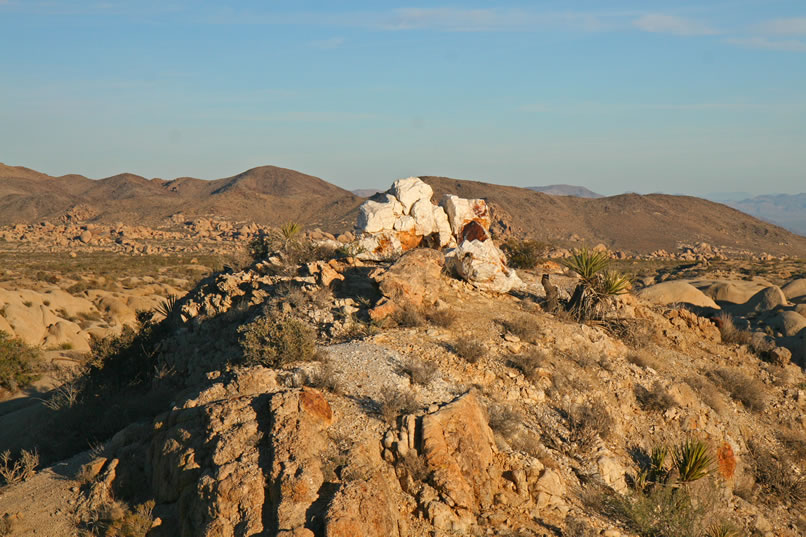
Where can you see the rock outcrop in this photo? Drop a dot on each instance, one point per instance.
(404, 218)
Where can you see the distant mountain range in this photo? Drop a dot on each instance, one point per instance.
(272, 195)
(266, 195)
(785, 210)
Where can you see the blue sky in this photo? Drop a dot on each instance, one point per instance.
(650, 96)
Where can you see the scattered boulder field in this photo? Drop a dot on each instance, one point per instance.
(414, 385)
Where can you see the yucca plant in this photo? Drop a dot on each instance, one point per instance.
(289, 230)
(169, 309)
(692, 460)
(613, 283)
(587, 263)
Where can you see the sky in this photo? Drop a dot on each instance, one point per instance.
(644, 96)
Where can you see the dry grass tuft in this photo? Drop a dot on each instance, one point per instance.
(395, 403)
(444, 317)
(588, 421)
(709, 394)
(656, 399)
(522, 325)
(777, 475)
(527, 363)
(750, 392)
(421, 373)
(470, 349)
(21, 469)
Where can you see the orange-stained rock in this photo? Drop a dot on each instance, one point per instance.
(726, 460)
(413, 279)
(363, 508)
(459, 449)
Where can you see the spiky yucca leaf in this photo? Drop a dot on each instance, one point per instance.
(613, 283)
(290, 230)
(169, 308)
(587, 263)
(692, 460)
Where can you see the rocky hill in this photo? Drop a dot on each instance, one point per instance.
(630, 222)
(403, 396)
(266, 195)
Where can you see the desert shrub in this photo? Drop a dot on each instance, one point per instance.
(660, 512)
(523, 254)
(707, 392)
(443, 317)
(325, 377)
(504, 420)
(396, 402)
(409, 316)
(116, 519)
(18, 363)
(355, 328)
(777, 476)
(415, 467)
(729, 332)
(524, 326)
(421, 372)
(588, 421)
(655, 399)
(19, 469)
(470, 349)
(635, 333)
(527, 363)
(643, 359)
(275, 339)
(748, 391)
(655, 507)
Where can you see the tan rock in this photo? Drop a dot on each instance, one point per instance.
(459, 448)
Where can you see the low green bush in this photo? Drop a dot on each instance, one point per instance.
(18, 363)
(277, 338)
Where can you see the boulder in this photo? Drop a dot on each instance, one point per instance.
(789, 323)
(375, 216)
(676, 292)
(483, 265)
(411, 190)
(462, 211)
(414, 278)
(733, 292)
(795, 290)
(766, 300)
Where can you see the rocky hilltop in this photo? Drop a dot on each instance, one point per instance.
(413, 383)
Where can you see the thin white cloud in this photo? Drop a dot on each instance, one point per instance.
(660, 23)
(480, 20)
(328, 44)
(763, 43)
(787, 26)
(600, 107)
